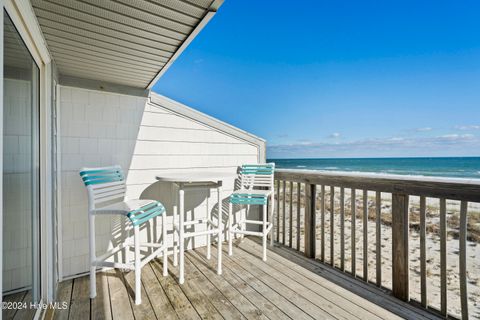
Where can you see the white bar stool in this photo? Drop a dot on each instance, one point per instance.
(256, 187)
(106, 185)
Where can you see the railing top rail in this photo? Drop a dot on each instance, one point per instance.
(438, 187)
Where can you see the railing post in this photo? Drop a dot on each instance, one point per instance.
(400, 274)
(310, 220)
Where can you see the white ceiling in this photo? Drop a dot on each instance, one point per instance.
(123, 41)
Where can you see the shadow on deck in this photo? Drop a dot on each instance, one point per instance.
(288, 286)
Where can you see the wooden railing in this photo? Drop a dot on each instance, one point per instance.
(303, 195)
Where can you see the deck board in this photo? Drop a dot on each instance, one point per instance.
(80, 303)
(287, 286)
(248, 309)
(101, 308)
(158, 298)
(182, 306)
(193, 291)
(352, 303)
(299, 291)
(278, 300)
(263, 304)
(9, 313)
(119, 300)
(143, 310)
(64, 293)
(26, 313)
(224, 306)
(278, 291)
(373, 298)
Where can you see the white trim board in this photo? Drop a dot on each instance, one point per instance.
(102, 86)
(59, 184)
(206, 18)
(182, 47)
(1, 148)
(25, 20)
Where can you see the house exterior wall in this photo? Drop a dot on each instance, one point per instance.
(100, 129)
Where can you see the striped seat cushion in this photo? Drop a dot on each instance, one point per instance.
(145, 213)
(248, 198)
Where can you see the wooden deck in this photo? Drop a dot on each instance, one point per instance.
(288, 286)
(22, 313)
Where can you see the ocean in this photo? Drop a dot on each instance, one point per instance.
(458, 167)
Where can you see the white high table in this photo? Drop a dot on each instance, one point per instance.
(185, 181)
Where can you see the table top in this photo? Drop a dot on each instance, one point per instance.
(191, 177)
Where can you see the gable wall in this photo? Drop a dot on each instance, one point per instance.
(100, 129)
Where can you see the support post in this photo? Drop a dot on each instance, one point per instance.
(138, 268)
(220, 227)
(93, 257)
(181, 239)
(400, 232)
(310, 220)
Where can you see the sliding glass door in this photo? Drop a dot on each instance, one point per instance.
(20, 170)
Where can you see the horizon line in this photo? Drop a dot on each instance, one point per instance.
(405, 157)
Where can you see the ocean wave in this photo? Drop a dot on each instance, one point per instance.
(383, 173)
(427, 167)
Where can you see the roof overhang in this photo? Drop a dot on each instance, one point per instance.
(126, 42)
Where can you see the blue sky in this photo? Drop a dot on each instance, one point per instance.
(339, 78)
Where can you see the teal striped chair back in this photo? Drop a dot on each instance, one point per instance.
(103, 184)
(254, 176)
(94, 176)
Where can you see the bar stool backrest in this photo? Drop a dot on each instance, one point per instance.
(103, 185)
(257, 176)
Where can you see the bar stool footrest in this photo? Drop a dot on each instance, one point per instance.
(236, 230)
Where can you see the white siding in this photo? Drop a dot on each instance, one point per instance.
(100, 129)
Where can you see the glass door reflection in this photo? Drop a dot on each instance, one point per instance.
(20, 172)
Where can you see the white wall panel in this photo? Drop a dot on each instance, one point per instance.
(100, 129)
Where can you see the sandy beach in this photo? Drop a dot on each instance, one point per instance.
(432, 245)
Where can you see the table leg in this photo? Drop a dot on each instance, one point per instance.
(219, 242)
(181, 239)
(175, 222)
(272, 205)
(209, 236)
(244, 218)
(138, 270)
(264, 231)
(164, 240)
(229, 232)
